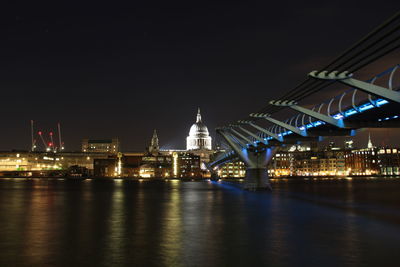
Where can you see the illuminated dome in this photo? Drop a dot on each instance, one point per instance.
(198, 129)
(199, 137)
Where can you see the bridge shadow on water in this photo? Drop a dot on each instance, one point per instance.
(325, 222)
(374, 198)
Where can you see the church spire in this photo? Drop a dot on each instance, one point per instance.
(154, 147)
(198, 119)
(370, 145)
(154, 139)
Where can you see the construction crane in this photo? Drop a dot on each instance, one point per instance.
(48, 146)
(59, 137)
(33, 141)
(44, 142)
(51, 144)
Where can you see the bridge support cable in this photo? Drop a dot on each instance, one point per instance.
(368, 88)
(374, 55)
(344, 66)
(383, 40)
(365, 39)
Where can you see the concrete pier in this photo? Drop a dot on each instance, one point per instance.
(256, 179)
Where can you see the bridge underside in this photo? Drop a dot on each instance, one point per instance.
(387, 116)
(256, 160)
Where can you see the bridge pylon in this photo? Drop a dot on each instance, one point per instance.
(255, 158)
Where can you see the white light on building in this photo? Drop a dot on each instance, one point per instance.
(199, 137)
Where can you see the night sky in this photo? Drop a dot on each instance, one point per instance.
(108, 71)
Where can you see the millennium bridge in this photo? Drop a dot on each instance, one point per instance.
(356, 104)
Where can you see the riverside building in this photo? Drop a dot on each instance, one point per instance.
(153, 163)
(330, 161)
(101, 145)
(26, 163)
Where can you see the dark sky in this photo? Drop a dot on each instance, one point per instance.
(121, 71)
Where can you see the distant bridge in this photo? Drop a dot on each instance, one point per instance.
(363, 105)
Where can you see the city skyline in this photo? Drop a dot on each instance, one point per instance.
(360, 140)
(104, 75)
(200, 133)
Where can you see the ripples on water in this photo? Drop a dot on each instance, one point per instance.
(114, 223)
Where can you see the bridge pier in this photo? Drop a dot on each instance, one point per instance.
(255, 159)
(256, 179)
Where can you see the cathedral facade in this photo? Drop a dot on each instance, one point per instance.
(199, 141)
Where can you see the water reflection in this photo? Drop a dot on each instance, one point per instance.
(171, 235)
(104, 223)
(40, 230)
(116, 225)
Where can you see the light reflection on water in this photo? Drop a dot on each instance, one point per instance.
(171, 236)
(172, 223)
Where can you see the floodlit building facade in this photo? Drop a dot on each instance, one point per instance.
(39, 163)
(199, 137)
(331, 161)
(389, 161)
(101, 145)
(235, 169)
(199, 141)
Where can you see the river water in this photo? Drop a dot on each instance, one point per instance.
(173, 223)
